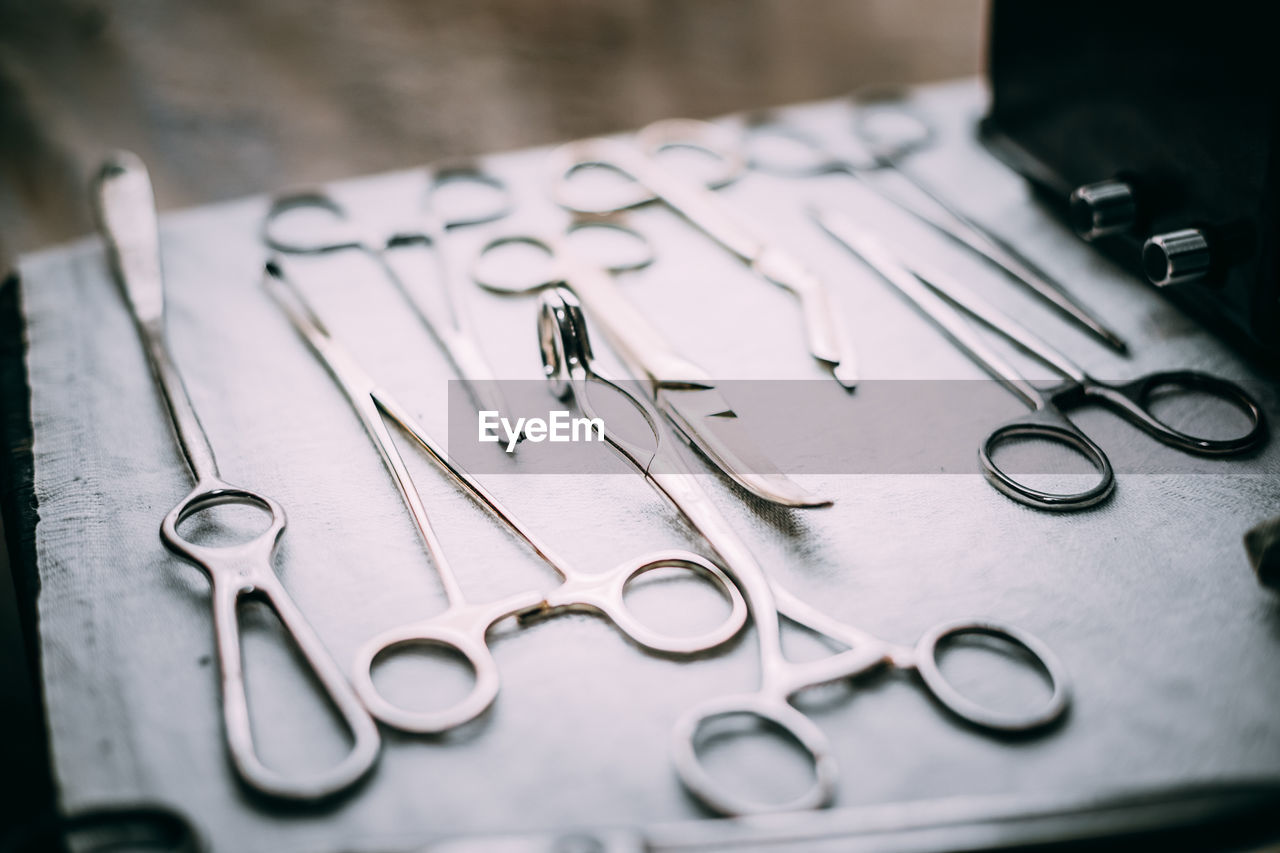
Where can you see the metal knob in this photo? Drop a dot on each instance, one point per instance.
(1107, 207)
(1176, 257)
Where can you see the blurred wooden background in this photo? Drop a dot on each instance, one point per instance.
(230, 97)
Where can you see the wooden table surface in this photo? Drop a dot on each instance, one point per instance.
(226, 98)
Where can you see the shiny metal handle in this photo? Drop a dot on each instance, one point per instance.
(613, 154)
(605, 593)
(701, 207)
(336, 234)
(1132, 400)
(461, 629)
(126, 213)
(500, 199)
(244, 570)
(1049, 712)
(694, 202)
(1047, 424)
(778, 719)
(364, 734)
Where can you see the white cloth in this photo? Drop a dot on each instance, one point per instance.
(1149, 599)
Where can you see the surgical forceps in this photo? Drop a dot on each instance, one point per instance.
(890, 131)
(937, 297)
(683, 391)
(126, 216)
(330, 229)
(566, 352)
(828, 340)
(463, 627)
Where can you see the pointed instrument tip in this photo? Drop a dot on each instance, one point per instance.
(801, 499)
(782, 490)
(1116, 342)
(846, 376)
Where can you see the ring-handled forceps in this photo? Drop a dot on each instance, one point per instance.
(941, 299)
(891, 130)
(567, 357)
(682, 391)
(463, 627)
(314, 223)
(126, 216)
(828, 339)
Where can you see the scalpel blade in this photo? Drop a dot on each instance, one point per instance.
(705, 419)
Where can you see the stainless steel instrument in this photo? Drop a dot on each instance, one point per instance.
(330, 229)
(941, 299)
(827, 337)
(682, 391)
(127, 218)
(463, 627)
(891, 130)
(566, 353)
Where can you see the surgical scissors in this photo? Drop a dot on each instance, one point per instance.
(463, 627)
(566, 353)
(683, 391)
(890, 131)
(934, 295)
(328, 228)
(126, 215)
(828, 340)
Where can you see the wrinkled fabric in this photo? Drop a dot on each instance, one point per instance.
(1149, 599)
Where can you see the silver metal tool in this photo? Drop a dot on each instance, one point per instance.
(328, 228)
(938, 297)
(682, 391)
(127, 218)
(828, 339)
(463, 627)
(890, 130)
(567, 354)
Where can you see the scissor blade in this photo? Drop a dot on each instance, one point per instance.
(705, 419)
(828, 340)
(952, 222)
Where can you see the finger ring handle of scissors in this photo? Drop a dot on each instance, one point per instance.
(461, 630)
(1132, 400)
(638, 162)
(1046, 424)
(244, 570)
(605, 593)
(564, 266)
(696, 727)
(908, 131)
(705, 136)
(455, 174)
(925, 658)
(789, 152)
(330, 231)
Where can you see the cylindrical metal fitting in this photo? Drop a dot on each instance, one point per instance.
(1176, 257)
(1107, 207)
